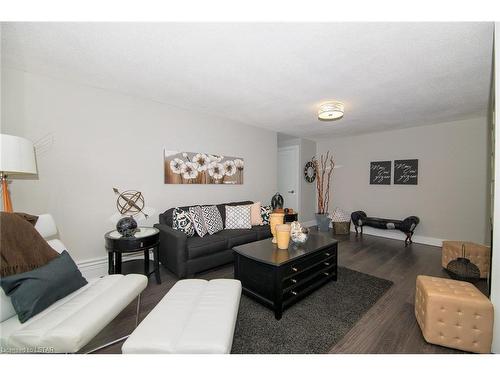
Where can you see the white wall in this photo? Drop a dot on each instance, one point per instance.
(103, 140)
(450, 197)
(307, 190)
(495, 256)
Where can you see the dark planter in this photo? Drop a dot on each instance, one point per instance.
(323, 222)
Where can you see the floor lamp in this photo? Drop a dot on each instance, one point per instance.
(17, 158)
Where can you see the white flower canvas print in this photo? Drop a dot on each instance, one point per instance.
(200, 168)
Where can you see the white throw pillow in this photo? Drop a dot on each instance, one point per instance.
(238, 217)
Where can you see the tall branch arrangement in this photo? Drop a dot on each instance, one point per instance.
(324, 170)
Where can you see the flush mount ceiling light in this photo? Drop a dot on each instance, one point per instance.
(329, 111)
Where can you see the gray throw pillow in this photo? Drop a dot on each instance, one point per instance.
(33, 291)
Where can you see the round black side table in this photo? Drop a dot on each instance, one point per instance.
(144, 239)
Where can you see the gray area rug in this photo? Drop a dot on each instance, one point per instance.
(313, 325)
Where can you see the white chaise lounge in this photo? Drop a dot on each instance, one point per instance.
(70, 323)
(195, 316)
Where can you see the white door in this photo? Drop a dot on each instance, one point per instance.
(288, 176)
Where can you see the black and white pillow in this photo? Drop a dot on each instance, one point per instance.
(238, 217)
(181, 221)
(212, 218)
(197, 217)
(265, 211)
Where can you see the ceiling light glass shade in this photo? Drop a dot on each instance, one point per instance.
(331, 111)
(17, 155)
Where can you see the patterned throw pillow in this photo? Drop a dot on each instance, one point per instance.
(212, 218)
(238, 217)
(181, 221)
(197, 217)
(265, 211)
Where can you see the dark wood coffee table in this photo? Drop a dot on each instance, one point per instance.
(279, 278)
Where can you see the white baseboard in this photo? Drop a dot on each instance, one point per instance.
(93, 268)
(97, 267)
(392, 234)
(396, 235)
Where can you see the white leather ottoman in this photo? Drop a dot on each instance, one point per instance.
(195, 316)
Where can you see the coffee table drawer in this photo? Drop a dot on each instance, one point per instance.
(324, 256)
(292, 295)
(296, 281)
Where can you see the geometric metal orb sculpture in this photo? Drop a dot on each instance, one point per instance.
(129, 202)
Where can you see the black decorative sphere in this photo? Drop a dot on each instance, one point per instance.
(126, 226)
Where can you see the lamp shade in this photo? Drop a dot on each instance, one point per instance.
(17, 155)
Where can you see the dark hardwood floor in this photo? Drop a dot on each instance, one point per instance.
(388, 327)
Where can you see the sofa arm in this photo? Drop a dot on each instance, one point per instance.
(173, 251)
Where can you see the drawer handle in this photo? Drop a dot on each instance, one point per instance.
(293, 281)
(326, 274)
(294, 269)
(294, 293)
(326, 264)
(327, 254)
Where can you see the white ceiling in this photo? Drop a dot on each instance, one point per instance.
(389, 75)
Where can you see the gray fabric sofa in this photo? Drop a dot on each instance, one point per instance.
(185, 256)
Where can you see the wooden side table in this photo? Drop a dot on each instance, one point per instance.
(144, 239)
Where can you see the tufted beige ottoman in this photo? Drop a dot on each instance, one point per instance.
(476, 253)
(454, 314)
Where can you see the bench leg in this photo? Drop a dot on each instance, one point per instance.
(121, 338)
(408, 239)
(138, 310)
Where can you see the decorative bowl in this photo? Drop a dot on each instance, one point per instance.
(301, 236)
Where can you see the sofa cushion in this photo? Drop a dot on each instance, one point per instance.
(181, 221)
(222, 207)
(237, 237)
(255, 215)
(166, 217)
(265, 211)
(238, 217)
(212, 218)
(198, 246)
(198, 221)
(263, 231)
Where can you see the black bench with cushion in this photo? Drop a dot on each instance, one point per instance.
(186, 256)
(407, 226)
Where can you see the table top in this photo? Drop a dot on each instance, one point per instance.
(266, 252)
(141, 233)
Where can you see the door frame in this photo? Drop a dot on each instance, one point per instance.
(295, 148)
